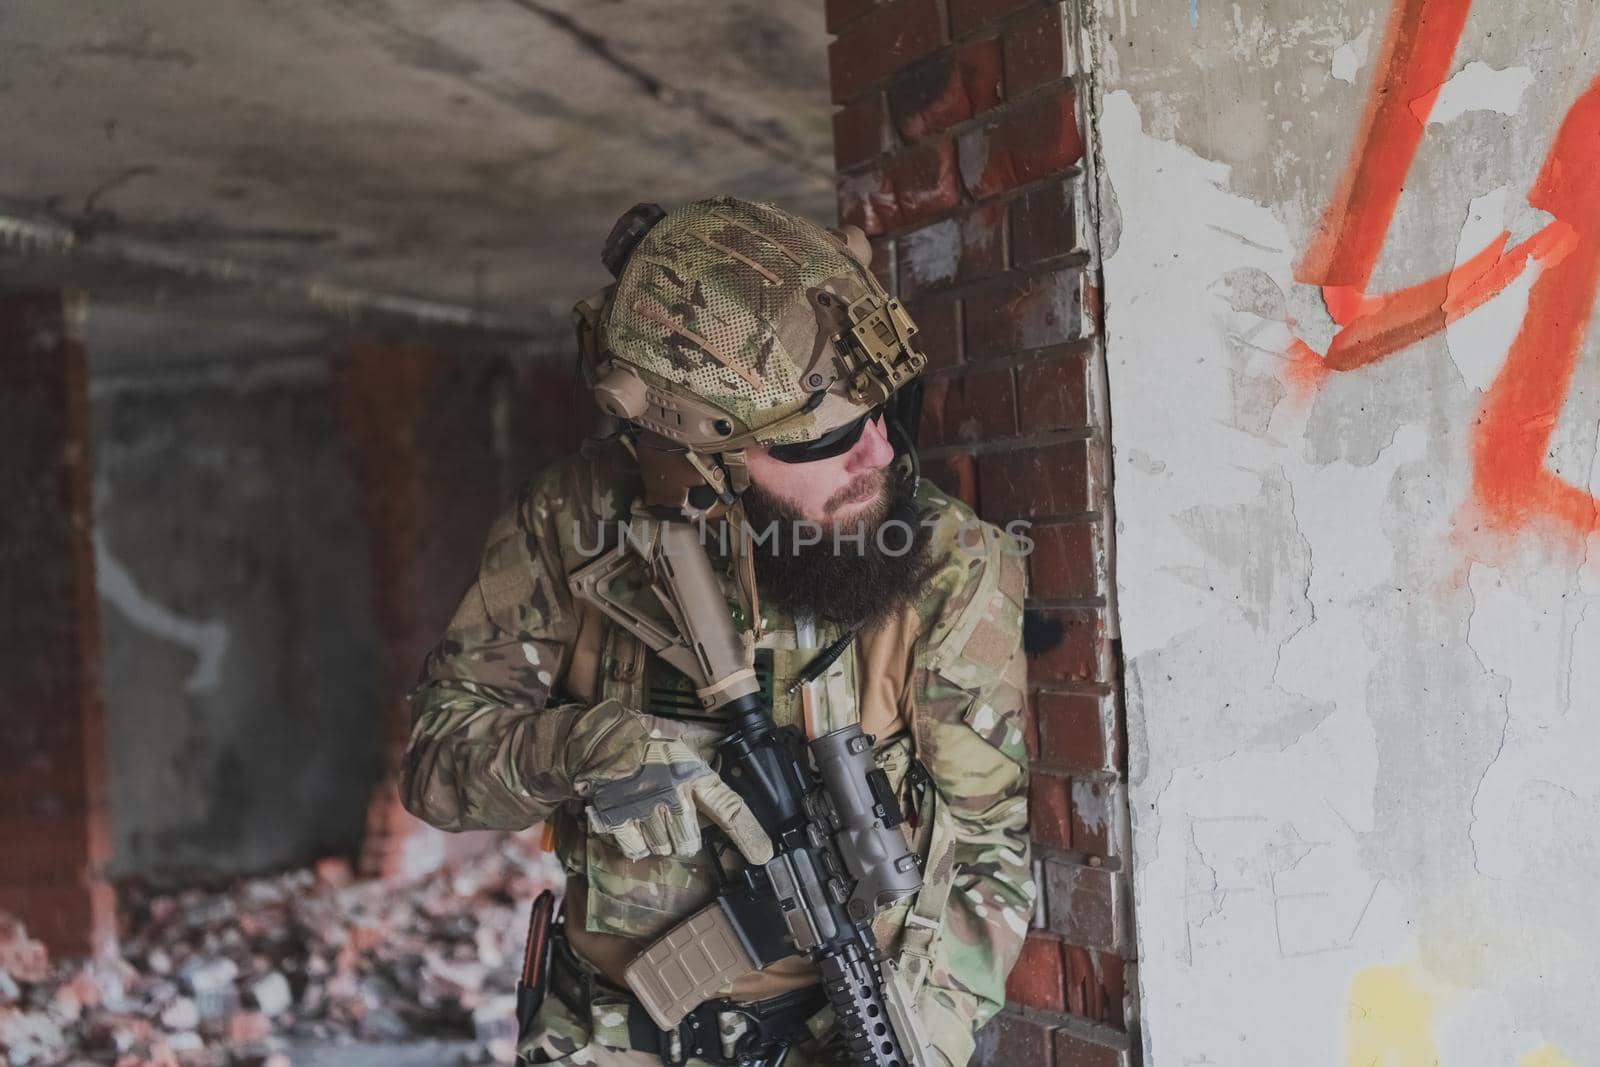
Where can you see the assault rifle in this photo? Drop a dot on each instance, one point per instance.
(839, 857)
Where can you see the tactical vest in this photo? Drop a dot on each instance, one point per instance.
(639, 900)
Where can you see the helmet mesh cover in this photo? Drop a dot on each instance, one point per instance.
(718, 298)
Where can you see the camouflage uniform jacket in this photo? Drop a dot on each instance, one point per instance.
(499, 692)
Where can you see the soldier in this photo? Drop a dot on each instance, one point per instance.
(730, 329)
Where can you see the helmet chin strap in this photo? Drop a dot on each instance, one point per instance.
(744, 566)
(738, 475)
(906, 449)
(737, 478)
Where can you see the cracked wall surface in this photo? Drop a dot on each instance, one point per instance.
(1349, 266)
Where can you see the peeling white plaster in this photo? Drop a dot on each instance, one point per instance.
(858, 188)
(1250, 794)
(1040, 321)
(207, 639)
(1170, 248)
(933, 253)
(1091, 802)
(973, 156)
(1478, 342)
(1480, 87)
(1350, 745)
(1350, 57)
(1351, 555)
(1536, 631)
(1485, 221)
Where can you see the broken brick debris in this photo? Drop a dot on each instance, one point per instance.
(232, 977)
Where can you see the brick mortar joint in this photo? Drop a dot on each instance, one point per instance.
(1089, 611)
(1004, 22)
(1068, 261)
(1077, 603)
(1046, 934)
(948, 50)
(1071, 262)
(1085, 46)
(1077, 1025)
(1002, 198)
(1070, 858)
(1122, 956)
(1096, 776)
(1050, 1023)
(1012, 443)
(1098, 690)
(1068, 524)
(996, 114)
(988, 27)
(1080, 348)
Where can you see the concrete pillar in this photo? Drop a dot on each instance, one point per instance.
(53, 818)
(1351, 284)
(959, 151)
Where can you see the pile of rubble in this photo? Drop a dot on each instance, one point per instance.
(230, 978)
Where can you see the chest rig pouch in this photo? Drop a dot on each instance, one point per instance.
(643, 898)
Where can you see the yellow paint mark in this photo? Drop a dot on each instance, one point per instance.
(1391, 1020)
(1545, 1056)
(1390, 1023)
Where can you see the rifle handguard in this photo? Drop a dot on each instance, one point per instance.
(841, 858)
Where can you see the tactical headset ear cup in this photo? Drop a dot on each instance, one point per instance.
(855, 239)
(629, 229)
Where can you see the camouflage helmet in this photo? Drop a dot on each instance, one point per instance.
(733, 323)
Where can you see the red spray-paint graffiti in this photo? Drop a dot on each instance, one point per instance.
(1511, 485)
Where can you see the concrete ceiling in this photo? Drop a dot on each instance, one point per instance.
(457, 161)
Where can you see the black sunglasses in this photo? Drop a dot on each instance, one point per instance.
(835, 442)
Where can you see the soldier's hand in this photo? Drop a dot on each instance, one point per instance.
(648, 793)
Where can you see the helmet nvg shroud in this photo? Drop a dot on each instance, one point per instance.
(733, 323)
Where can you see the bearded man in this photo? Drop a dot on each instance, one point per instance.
(759, 351)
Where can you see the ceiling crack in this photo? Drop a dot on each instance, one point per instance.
(695, 103)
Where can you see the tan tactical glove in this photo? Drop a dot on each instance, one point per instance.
(648, 792)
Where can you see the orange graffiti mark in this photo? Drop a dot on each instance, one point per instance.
(1307, 369)
(1522, 405)
(1511, 484)
(1379, 326)
(1418, 45)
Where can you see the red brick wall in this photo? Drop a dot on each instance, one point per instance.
(54, 832)
(959, 149)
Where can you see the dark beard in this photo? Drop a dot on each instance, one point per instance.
(849, 584)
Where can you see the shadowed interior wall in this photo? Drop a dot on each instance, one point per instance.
(238, 645)
(277, 544)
